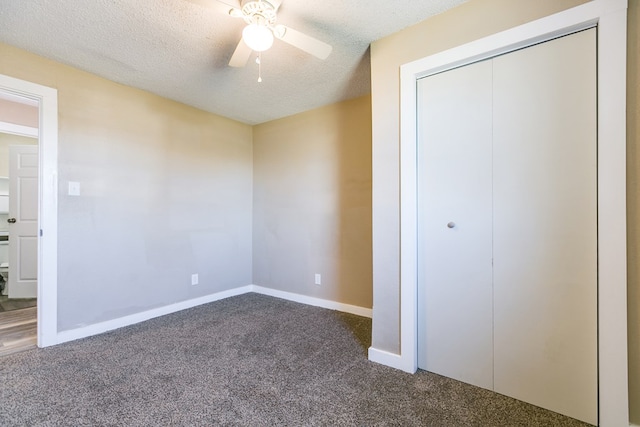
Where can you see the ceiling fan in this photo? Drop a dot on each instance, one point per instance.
(258, 35)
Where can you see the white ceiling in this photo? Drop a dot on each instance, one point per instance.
(179, 49)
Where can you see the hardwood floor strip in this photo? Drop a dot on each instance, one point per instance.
(18, 331)
(20, 323)
(16, 316)
(15, 347)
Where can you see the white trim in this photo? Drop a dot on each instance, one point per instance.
(388, 359)
(610, 18)
(109, 325)
(7, 96)
(19, 130)
(612, 220)
(317, 302)
(47, 99)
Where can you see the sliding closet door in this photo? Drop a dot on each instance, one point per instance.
(545, 224)
(454, 226)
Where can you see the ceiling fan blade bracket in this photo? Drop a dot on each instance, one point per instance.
(274, 3)
(261, 12)
(278, 31)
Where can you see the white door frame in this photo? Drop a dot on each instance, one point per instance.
(610, 18)
(47, 99)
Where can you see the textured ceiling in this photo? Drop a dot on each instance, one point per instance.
(179, 49)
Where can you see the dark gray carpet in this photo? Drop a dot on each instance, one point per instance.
(250, 360)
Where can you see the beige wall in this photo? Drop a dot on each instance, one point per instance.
(312, 203)
(18, 114)
(165, 192)
(478, 18)
(633, 205)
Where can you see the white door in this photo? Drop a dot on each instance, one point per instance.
(515, 279)
(454, 225)
(23, 233)
(545, 225)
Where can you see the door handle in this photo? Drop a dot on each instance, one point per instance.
(11, 220)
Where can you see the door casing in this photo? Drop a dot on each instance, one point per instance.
(610, 19)
(47, 99)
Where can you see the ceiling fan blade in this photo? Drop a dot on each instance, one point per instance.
(302, 41)
(241, 55)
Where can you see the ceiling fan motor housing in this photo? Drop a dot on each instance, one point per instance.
(259, 12)
(261, 29)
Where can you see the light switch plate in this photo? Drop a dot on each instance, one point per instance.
(74, 188)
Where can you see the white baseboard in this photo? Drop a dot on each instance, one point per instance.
(99, 328)
(317, 302)
(389, 359)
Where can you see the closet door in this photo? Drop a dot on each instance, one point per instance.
(545, 224)
(454, 225)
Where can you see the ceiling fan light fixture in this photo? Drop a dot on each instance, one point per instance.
(257, 37)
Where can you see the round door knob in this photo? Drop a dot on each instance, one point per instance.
(451, 224)
(11, 220)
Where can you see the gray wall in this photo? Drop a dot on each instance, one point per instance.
(165, 192)
(168, 190)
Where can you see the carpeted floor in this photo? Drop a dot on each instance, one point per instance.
(250, 360)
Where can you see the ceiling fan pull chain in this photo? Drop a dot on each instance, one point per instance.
(259, 61)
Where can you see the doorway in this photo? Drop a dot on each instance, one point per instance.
(19, 119)
(46, 100)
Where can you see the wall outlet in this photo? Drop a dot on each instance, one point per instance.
(318, 279)
(194, 279)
